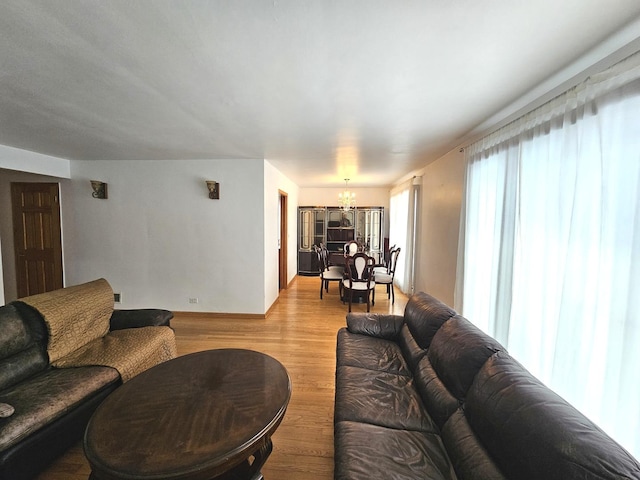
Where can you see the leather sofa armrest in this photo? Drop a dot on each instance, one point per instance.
(142, 317)
(375, 324)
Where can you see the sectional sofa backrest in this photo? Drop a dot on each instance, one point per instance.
(533, 433)
(423, 316)
(23, 350)
(496, 419)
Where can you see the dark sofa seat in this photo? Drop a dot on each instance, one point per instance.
(428, 395)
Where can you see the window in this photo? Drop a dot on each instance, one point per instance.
(551, 256)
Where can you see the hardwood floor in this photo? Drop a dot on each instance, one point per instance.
(300, 331)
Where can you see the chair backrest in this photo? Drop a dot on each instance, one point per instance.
(360, 268)
(351, 248)
(387, 255)
(393, 259)
(323, 258)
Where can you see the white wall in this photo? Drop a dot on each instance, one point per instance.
(327, 196)
(25, 161)
(437, 253)
(159, 240)
(275, 182)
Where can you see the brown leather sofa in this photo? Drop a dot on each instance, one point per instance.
(52, 405)
(428, 395)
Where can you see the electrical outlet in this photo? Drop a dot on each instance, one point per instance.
(117, 297)
(193, 300)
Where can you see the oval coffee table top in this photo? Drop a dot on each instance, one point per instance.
(195, 416)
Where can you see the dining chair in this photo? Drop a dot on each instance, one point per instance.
(359, 278)
(386, 277)
(328, 273)
(384, 267)
(351, 248)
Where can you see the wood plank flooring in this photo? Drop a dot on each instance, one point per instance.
(300, 331)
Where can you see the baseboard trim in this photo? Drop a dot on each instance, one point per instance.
(273, 305)
(245, 316)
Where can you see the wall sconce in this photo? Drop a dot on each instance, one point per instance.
(99, 189)
(214, 189)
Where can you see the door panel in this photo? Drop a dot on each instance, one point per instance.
(37, 239)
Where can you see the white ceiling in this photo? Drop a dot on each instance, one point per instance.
(326, 89)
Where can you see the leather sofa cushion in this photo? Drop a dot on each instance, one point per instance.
(22, 365)
(22, 352)
(412, 352)
(141, 317)
(375, 324)
(380, 398)
(372, 452)
(47, 396)
(438, 400)
(370, 353)
(458, 351)
(424, 315)
(15, 335)
(532, 433)
(470, 459)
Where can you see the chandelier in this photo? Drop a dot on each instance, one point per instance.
(346, 199)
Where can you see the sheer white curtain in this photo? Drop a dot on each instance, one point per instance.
(490, 215)
(398, 225)
(403, 215)
(551, 256)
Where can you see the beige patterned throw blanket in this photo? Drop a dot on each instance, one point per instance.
(130, 351)
(77, 319)
(74, 315)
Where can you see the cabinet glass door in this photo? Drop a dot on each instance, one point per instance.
(369, 230)
(318, 227)
(311, 225)
(306, 233)
(363, 228)
(375, 240)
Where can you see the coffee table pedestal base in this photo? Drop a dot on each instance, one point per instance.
(250, 471)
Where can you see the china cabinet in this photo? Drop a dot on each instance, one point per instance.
(334, 227)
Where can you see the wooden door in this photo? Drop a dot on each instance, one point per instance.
(37, 239)
(282, 258)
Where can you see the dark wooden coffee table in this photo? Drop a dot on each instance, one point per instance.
(200, 416)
